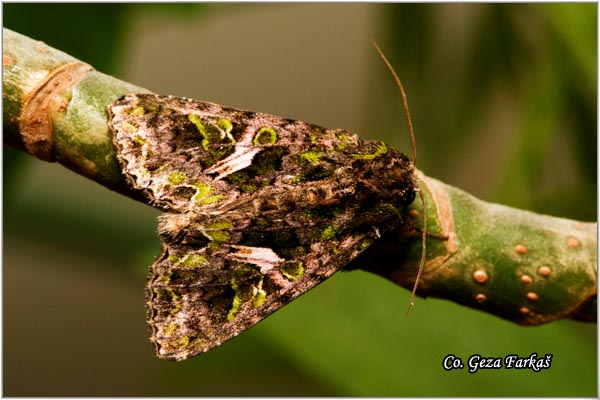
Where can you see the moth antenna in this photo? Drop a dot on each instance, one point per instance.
(404, 101)
(411, 302)
(414, 160)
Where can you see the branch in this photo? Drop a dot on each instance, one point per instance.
(55, 108)
(524, 267)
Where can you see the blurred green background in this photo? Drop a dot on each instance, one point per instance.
(503, 100)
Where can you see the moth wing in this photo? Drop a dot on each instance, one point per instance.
(200, 297)
(189, 155)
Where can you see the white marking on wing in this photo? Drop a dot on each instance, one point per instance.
(263, 257)
(240, 159)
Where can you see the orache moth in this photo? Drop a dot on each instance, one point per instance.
(259, 210)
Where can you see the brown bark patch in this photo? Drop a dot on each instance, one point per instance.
(35, 121)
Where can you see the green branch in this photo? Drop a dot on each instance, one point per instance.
(525, 267)
(528, 268)
(55, 108)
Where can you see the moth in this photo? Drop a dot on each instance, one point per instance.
(258, 209)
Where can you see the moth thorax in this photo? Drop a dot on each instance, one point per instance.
(319, 194)
(274, 202)
(286, 201)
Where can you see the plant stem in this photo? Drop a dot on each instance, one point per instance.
(525, 267)
(55, 108)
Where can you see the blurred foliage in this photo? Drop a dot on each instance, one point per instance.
(540, 59)
(74, 324)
